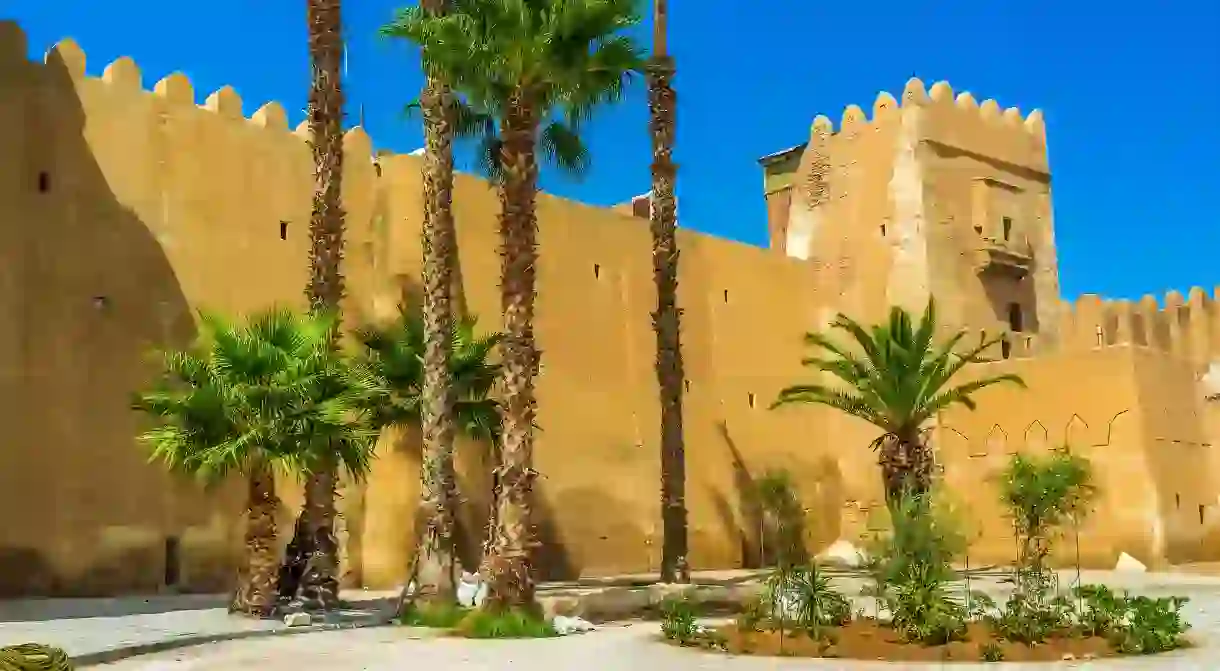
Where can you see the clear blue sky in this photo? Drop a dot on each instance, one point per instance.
(1131, 93)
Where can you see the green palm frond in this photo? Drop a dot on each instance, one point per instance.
(269, 390)
(387, 376)
(892, 374)
(560, 59)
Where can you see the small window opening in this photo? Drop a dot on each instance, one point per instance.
(1016, 320)
(750, 397)
(1006, 225)
(1005, 349)
(597, 270)
(883, 230)
(173, 561)
(283, 230)
(44, 181)
(100, 303)
(726, 295)
(1177, 501)
(686, 385)
(1200, 513)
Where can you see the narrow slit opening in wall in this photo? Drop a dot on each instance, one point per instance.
(173, 561)
(1016, 320)
(1200, 513)
(726, 295)
(44, 181)
(597, 270)
(1006, 226)
(686, 385)
(750, 398)
(283, 230)
(1005, 349)
(883, 230)
(1177, 501)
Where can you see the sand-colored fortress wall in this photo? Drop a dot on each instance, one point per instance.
(1182, 326)
(126, 209)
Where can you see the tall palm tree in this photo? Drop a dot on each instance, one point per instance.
(436, 560)
(525, 63)
(666, 319)
(320, 584)
(390, 380)
(897, 378)
(249, 398)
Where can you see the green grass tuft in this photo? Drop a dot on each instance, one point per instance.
(507, 624)
(435, 616)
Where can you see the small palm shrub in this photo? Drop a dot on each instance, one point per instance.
(804, 596)
(34, 657)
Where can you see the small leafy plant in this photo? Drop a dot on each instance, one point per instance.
(1134, 625)
(991, 652)
(678, 621)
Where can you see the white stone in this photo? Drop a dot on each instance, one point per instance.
(297, 619)
(471, 590)
(1128, 564)
(417, 152)
(565, 625)
(843, 553)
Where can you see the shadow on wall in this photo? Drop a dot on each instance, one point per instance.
(89, 293)
(816, 497)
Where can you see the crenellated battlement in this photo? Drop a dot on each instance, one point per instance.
(960, 107)
(1188, 326)
(123, 76)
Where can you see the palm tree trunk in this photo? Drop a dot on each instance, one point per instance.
(320, 583)
(906, 467)
(256, 594)
(666, 318)
(436, 564)
(508, 570)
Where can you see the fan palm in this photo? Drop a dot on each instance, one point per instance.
(389, 376)
(248, 398)
(527, 65)
(897, 378)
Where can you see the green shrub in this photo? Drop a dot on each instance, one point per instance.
(991, 652)
(34, 657)
(911, 570)
(434, 615)
(1041, 495)
(506, 624)
(1134, 625)
(804, 594)
(678, 620)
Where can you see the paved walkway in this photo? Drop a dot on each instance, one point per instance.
(615, 648)
(98, 630)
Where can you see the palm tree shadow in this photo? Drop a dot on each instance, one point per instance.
(749, 531)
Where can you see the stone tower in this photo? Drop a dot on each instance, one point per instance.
(934, 195)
